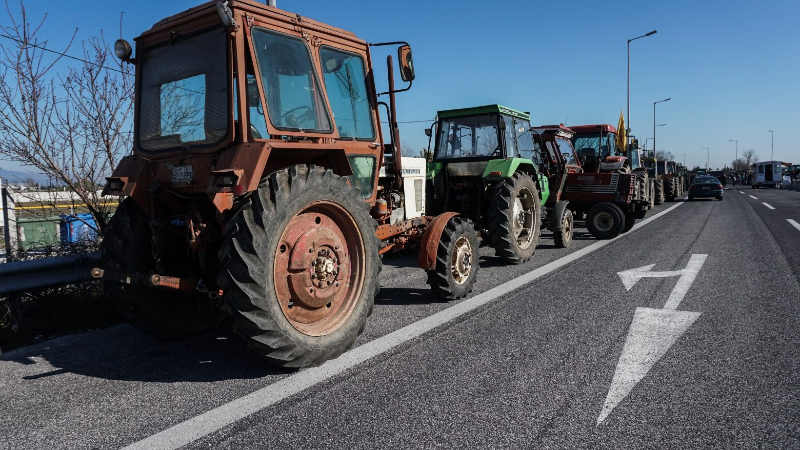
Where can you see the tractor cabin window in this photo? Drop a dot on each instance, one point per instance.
(345, 82)
(294, 100)
(184, 92)
(468, 137)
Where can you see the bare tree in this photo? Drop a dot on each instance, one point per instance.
(750, 157)
(72, 127)
(740, 164)
(662, 155)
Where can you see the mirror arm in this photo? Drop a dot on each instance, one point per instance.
(397, 91)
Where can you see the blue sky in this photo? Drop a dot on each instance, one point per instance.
(730, 67)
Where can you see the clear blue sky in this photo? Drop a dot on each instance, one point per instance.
(730, 67)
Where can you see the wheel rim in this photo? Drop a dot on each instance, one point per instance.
(319, 268)
(566, 228)
(603, 221)
(461, 260)
(523, 218)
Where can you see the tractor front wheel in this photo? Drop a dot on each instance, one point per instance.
(563, 236)
(659, 192)
(300, 266)
(514, 218)
(605, 221)
(456, 261)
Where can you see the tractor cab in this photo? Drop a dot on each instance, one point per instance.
(558, 157)
(596, 148)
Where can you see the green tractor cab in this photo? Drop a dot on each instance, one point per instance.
(485, 167)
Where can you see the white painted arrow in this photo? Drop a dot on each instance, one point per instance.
(652, 332)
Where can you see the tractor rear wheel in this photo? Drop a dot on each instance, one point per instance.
(605, 220)
(670, 190)
(563, 236)
(165, 314)
(659, 192)
(300, 266)
(456, 261)
(514, 218)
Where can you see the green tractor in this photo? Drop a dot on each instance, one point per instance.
(484, 166)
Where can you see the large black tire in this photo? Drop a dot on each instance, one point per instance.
(659, 192)
(605, 220)
(126, 248)
(514, 235)
(264, 263)
(456, 261)
(670, 190)
(563, 236)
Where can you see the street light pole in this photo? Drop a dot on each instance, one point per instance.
(629, 74)
(737, 149)
(772, 154)
(708, 157)
(655, 169)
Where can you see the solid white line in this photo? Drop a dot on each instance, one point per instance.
(197, 427)
(767, 205)
(794, 224)
(756, 198)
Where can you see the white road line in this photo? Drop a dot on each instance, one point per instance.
(755, 198)
(200, 426)
(768, 205)
(794, 224)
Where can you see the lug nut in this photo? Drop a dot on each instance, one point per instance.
(337, 284)
(329, 282)
(311, 290)
(314, 263)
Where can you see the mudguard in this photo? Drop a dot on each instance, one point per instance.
(430, 240)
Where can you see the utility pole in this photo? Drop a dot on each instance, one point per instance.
(772, 153)
(6, 222)
(655, 169)
(708, 157)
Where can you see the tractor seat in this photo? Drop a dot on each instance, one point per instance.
(588, 159)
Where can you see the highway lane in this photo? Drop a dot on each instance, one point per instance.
(519, 370)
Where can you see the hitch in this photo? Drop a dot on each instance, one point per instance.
(149, 280)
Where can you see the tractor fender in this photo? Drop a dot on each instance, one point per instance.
(430, 240)
(558, 210)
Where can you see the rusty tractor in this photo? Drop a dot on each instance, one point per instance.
(253, 189)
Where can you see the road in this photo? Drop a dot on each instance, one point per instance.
(559, 352)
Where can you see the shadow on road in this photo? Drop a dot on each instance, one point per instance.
(124, 353)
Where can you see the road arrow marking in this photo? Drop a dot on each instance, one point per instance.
(652, 332)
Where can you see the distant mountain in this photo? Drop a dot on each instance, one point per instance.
(16, 177)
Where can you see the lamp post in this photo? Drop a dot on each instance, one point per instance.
(737, 149)
(772, 153)
(629, 73)
(708, 157)
(655, 169)
(645, 142)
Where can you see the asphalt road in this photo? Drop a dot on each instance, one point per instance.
(689, 356)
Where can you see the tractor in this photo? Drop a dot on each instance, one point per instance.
(253, 189)
(603, 190)
(484, 167)
(656, 172)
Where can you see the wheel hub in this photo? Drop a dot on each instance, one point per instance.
(603, 221)
(523, 217)
(461, 263)
(317, 277)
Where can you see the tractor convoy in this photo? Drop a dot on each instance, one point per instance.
(262, 187)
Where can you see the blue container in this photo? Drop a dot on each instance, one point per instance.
(78, 228)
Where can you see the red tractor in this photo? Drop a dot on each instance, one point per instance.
(588, 173)
(253, 189)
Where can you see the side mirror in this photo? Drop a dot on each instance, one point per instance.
(406, 62)
(122, 49)
(428, 132)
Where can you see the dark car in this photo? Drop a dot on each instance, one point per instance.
(705, 186)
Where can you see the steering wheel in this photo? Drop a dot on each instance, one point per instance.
(296, 116)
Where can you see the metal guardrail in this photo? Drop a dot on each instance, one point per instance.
(46, 272)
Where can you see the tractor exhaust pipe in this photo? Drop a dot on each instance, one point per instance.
(272, 3)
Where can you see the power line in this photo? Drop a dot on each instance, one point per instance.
(40, 47)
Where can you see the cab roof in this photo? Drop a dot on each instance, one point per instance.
(559, 130)
(580, 129)
(488, 109)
